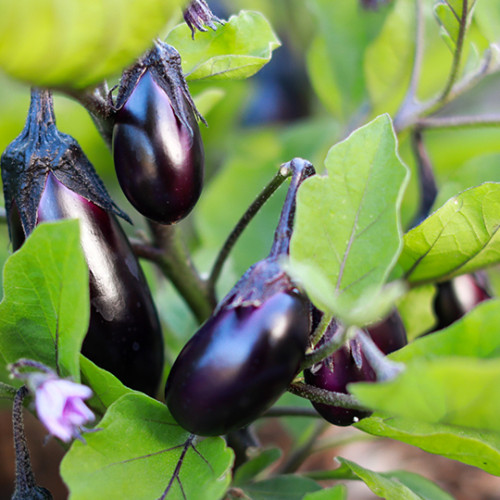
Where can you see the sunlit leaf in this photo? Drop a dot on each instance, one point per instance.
(45, 311)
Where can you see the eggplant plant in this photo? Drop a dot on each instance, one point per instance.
(375, 314)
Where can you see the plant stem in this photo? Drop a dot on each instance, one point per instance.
(99, 107)
(175, 262)
(457, 55)
(320, 330)
(295, 459)
(26, 487)
(290, 411)
(384, 368)
(441, 122)
(323, 396)
(250, 213)
(330, 346)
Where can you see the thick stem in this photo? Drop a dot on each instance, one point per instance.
(175, 262)
(99, 107)
(301, 170)
(250, 213)
(323, 396)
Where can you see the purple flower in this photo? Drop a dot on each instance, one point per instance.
(59, 402)
(60, 407)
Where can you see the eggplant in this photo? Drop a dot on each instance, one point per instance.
(157, 146)
(124, 334)
(348, 364)
(247, 353)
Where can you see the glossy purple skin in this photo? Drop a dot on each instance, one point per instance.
(238, 364)
(158, 163)
(457, 297)
(124, 334)
(341, 369)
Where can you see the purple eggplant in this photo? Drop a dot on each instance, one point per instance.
(247, 353)
(124, 334)
(348, 364)
(157, 147)
(458, 296)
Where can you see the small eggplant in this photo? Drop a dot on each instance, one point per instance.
(124, 334)
(349, 364)
(157, 147)
(458, 296)
(244, 357)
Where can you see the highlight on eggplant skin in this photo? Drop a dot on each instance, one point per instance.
(159, 158)
(124, 334)
(348, 364)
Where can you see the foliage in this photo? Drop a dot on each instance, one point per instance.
(372, 98)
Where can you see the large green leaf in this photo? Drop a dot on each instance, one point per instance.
(335, 56)
(45, 311)
(459, 238)
(388, 60)
(457, 391)
(105, 386)
(470, 446)
(417, 311)
(347, 222)
(77, 43)
(238, 49)
(476, 335)
(399, 485)
(139, 452)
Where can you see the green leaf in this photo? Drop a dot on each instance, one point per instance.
(139, 451)
(342, 32)
(236, 50)
(417, 311)
(287, 487)
(78, 43)
(456, 391)
(105, 386)
(475, 335)
(487, 16)
(338, 492)
(400, 485)
(45, 311)
(461, 237)
(388, 60)
(449, 14)
(478, 448)
(207, 99)
(256, 465)
(347, 222)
